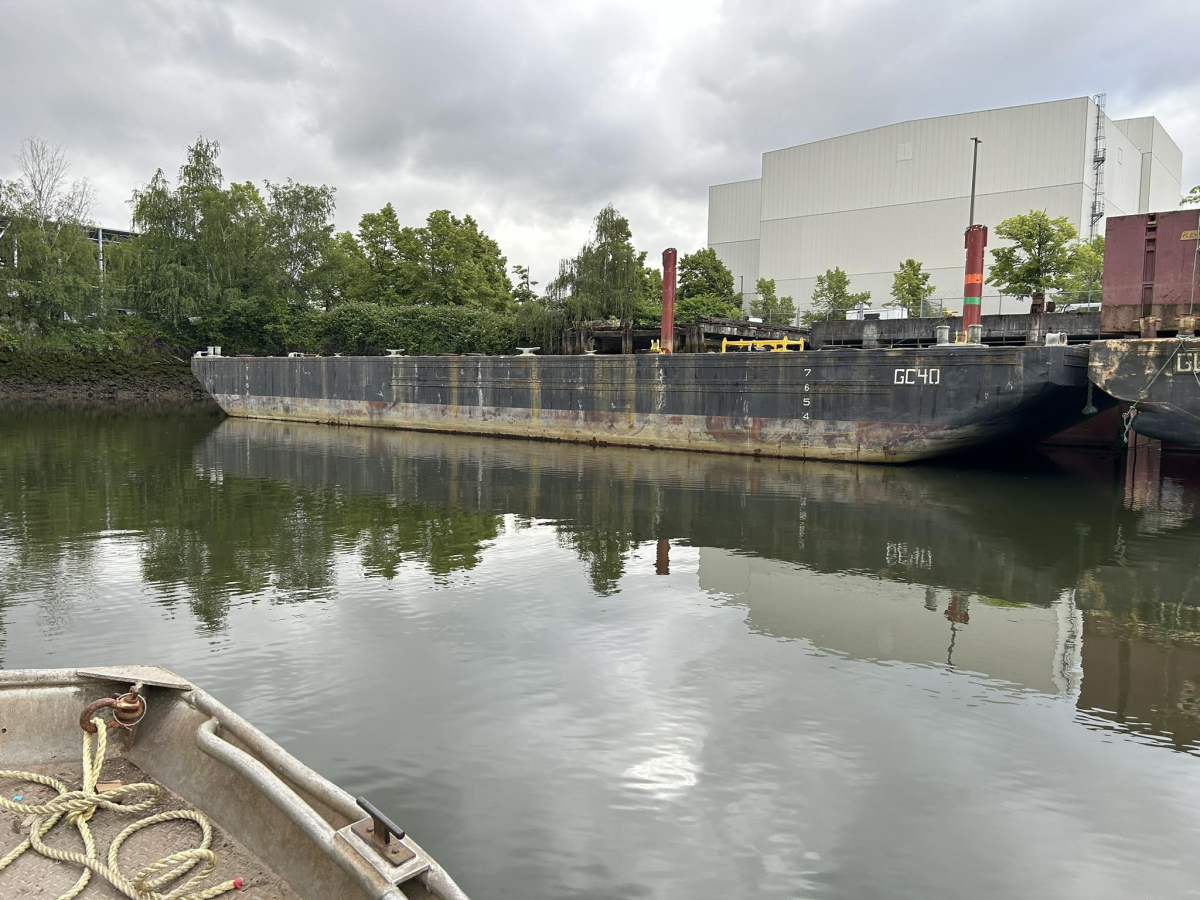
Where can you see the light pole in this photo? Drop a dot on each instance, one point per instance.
(974, 167)
(1195, 259)
(976, 243)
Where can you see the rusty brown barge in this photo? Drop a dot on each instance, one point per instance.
(885, 406)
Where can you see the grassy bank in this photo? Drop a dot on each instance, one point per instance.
(88, 375)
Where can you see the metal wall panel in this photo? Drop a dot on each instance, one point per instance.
(1041, 145)
(741, 258)
(866, 201)
(1167, 150)
(1122, 174)
(1162, 163)
(1139, 130)
(799, 289)
(1165, 189)
(872, 241)
(733, 212)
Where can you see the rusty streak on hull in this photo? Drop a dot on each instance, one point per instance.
(1161, 376)
(852, 405)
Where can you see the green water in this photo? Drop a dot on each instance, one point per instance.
(585, 672)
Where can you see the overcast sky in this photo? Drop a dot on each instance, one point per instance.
(531, 116)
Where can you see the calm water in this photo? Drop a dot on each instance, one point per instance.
(578, 672)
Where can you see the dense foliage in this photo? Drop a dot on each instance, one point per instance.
(48, 267)
(1084, 281)
(260, 269)
(608, 278)
(702, 274)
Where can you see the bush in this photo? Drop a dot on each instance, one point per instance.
(367, 329)
(275, 328)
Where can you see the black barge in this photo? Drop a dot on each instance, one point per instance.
(884, 406)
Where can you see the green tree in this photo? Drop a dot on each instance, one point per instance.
(1084, 282)
(690, 310)
(450, 261)
(649, 305)
(772, 309)
(832, 297)
(1193, 196)
(702, 274)
(911, 288)
(1039, 258)
(379, 239)
(49, 265)
(345, 273)
(608, 278)
(299, 230)
(523, 290)
(447, 261)
(203, 245)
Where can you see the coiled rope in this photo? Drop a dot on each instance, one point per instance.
(79, 807)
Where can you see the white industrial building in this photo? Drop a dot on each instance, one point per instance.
(866, 201)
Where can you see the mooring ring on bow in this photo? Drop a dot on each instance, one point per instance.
(128, 710)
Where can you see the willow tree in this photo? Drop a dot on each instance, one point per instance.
(607, 279)
(204, 246)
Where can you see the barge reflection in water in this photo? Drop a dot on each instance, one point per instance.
(815, 551)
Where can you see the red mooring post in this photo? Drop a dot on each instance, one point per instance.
(973, 289)
(667, 338)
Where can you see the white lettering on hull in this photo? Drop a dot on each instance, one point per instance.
(917, 376)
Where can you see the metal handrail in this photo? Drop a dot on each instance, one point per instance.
(272, 764)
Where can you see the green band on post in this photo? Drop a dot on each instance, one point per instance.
(970, 301)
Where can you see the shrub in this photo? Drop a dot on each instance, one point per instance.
(363, 328)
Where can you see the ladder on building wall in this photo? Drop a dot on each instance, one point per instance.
(1099, 154)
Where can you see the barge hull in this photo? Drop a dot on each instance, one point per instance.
(1160, 377)
(878, 406)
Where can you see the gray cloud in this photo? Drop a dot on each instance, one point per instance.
(532, 115)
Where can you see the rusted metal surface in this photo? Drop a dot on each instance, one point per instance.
(384, 836)
(1160, 378)
(976, 242)
(882, 406)
(152, 675)
(1017, 329)
(1148, 262)
(126, 710)
(704, 335)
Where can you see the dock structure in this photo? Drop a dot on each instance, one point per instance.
(603, 338)
(1009, 330)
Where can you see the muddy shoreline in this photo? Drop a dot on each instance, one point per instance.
(66, 377)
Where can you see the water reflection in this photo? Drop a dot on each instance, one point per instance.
(603, 664)
(1030, 578)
